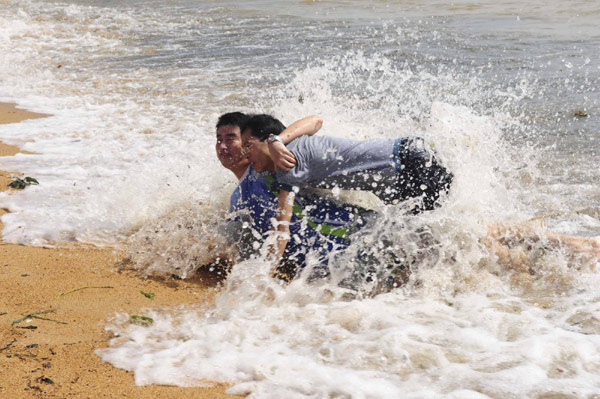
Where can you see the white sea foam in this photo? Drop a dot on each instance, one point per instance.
(464, 326)
(292, 342)
(105, 162)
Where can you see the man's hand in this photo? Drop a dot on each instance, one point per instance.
(282, 158)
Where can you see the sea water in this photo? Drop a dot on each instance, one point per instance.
(507, 92)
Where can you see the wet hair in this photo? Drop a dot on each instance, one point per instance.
(263, 125)
(238, 119)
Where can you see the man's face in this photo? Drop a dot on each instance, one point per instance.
(257, 152)
(229, 146)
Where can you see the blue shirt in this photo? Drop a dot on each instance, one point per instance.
(317, 225)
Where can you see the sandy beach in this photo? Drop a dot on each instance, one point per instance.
(70, 294)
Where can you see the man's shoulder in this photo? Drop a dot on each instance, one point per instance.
(309, 142)
(297, 142)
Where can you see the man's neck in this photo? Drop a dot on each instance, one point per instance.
(239, 169)
(271, 166)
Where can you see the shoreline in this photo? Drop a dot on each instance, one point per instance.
(82, 288)
(9, 113)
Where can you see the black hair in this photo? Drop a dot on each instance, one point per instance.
(238, 119)
(263, 125)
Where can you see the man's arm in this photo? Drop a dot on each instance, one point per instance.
(284, 216)
(305, 126)
(282, 158)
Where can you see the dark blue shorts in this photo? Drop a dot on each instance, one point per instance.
(419, 174)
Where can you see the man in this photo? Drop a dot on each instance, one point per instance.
(393, 170)
(315, 225)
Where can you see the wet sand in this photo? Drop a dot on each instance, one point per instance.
(79, 289)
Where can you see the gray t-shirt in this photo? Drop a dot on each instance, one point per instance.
(324, 161)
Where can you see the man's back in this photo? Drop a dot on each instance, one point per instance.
(320, 158)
